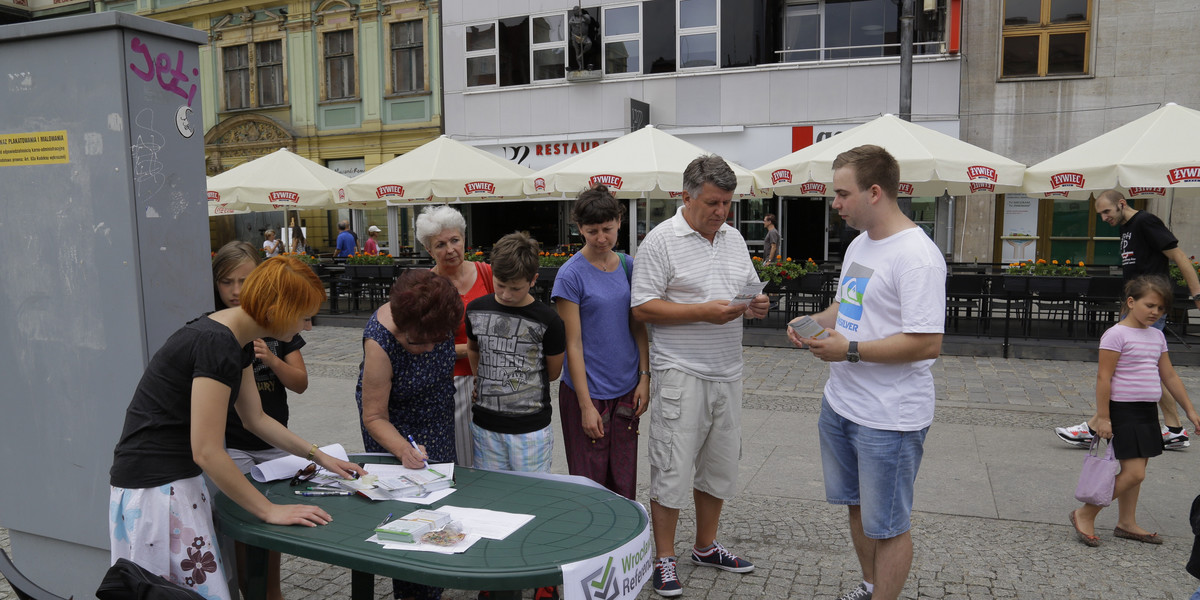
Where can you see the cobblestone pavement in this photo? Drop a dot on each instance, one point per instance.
(802, 547)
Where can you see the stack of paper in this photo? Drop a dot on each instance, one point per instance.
(395, 482)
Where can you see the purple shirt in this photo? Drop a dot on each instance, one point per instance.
(610, 353)
(1136, 378)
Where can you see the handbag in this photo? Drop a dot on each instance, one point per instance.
(127, 580)
(1098, 476)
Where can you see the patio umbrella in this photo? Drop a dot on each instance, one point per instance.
(931, 163)
(216, 208)
(442, 170)
(278, 181)
(647, 163)
(1154, 156)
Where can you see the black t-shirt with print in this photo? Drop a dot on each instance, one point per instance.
(270, 391)
(512, 385)
(1144, 238)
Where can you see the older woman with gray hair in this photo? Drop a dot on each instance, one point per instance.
(441, 230)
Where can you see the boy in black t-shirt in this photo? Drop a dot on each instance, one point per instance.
(516, 347)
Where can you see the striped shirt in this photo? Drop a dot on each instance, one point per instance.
(675, 263)
(1136, 378)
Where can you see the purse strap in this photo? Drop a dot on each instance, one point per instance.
(1096, 444)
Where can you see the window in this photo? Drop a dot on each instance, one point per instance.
(339, 64)
(237, 76)
(549, 47)
(1046, 38)
(622, 40)
(801, 31)
(266, 73)
(268, 64)
(408, 57)
(481, 54)
(814, 30)
(697, 33)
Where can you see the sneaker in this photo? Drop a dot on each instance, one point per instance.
(483, 596)
(665, 581)
(858, 593)
(546, 593)
(719, 557)
(1079, 435)
(1175, 441)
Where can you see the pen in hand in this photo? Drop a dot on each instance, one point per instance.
(416, 447)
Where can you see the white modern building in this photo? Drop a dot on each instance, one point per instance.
(751, 80)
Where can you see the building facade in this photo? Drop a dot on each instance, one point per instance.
(751, 80)
(349, 85)
(1042, 76)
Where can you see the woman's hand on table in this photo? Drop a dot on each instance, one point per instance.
(297, 514)
(341, 468)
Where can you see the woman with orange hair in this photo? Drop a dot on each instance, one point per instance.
(159, 511)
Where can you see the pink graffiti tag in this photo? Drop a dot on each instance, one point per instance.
(160, 66)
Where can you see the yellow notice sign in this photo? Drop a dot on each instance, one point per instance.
(37, 148)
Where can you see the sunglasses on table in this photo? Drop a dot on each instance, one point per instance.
(304, 474)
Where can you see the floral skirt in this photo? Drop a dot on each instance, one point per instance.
(168, 530)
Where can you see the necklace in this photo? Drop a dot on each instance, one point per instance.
(603, 264)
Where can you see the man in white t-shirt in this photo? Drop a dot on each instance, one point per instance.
(886, 325)
(688, 269)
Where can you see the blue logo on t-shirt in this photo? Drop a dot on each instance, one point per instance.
(852, 289)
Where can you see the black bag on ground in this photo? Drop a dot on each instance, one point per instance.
(126, 580)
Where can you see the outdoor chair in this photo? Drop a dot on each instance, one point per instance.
(24, 588)
(964, 294)
(1102, 303)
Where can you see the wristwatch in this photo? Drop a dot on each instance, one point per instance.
(852, 353)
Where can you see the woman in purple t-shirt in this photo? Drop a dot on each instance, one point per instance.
(1133, 362)
(605, 387)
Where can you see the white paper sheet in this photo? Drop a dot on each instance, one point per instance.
(286, 467)
(490, 524)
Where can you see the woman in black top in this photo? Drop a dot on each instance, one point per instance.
(160, 516)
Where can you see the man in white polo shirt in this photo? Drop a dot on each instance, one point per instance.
(688, 269)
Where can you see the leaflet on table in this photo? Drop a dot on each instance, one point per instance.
(458, 548)
(747, 293)
(396, 482)
(286, 467)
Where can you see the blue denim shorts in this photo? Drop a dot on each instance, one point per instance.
(871, 468)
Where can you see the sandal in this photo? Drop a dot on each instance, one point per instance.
(1145, 538)
(1090, 541)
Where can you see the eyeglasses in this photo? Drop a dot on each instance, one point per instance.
(304, 474)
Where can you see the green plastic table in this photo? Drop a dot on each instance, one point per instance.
(572, 522)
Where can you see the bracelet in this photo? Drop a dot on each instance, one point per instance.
(646, 373)
(311, 452)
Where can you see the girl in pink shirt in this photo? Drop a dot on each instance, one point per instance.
(1133, 363)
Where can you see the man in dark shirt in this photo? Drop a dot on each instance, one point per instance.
(1147, 248)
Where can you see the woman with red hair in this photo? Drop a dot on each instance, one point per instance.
(406, 380)
(160, 515)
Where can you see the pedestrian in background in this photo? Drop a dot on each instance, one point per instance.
(885, 331)
(371, 247)
(1133, 367)
(1147, 248)
(605, 386)
(771, 244)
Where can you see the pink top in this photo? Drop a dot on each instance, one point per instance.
(482, 287)
(1136, 378)
(371, 247)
